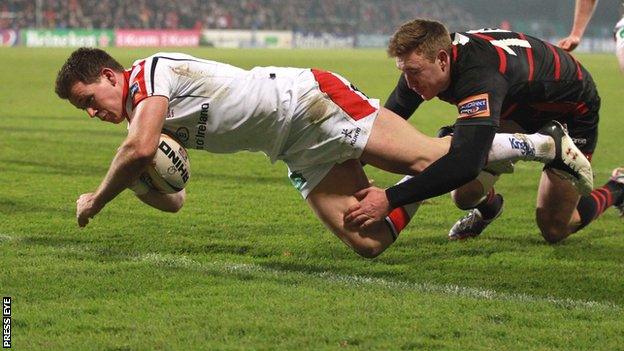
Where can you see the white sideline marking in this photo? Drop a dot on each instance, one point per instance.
(4, 237)
(358, 280)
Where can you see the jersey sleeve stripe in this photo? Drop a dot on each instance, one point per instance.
(153, 72)
(502, 59)
(529, 51)
(557, 61)
(356, 106)
(579, 72)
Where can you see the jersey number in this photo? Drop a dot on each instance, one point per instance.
(504, 44)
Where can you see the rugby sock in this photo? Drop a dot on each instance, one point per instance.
(593, 205)
(491, 205)
(399, 217)
(527, 147)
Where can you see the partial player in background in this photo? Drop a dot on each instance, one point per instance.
(583, 12)
(499, 80)
(315, 121)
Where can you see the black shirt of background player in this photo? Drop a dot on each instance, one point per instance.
(498, 75)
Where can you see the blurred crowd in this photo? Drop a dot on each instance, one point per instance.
(337, 16)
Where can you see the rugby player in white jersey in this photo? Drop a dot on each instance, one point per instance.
(315, 121)
(583, 12)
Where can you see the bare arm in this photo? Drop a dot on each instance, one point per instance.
(134, 154)
(583, 12)
(164, 202)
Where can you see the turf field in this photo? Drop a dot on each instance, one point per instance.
(246, 265)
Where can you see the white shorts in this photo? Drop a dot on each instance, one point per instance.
(332, 122)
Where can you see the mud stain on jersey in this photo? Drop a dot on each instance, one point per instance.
(185, 71)
(320, 109)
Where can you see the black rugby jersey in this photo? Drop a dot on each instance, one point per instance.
(497, 75)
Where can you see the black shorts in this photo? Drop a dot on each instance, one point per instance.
(582, 124)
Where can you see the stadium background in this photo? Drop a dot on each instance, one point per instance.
(279, 23)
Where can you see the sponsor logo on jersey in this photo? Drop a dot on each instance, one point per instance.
(200, 135)
(474, 106)
(182, 133)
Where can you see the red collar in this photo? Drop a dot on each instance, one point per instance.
(124, 98)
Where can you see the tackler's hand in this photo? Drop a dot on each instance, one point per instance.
(373, 206)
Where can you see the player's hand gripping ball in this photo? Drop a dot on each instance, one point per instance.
(170, 170)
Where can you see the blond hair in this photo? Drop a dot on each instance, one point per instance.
(424, 36)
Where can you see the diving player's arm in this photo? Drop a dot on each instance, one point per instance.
(133, 156)
(164, 202)
(467, 155)
(403, 101)
(583, 11)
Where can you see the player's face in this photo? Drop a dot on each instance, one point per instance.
(102, 99)
(425, 77)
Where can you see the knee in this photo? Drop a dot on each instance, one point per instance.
(552, 229)
(368, 248)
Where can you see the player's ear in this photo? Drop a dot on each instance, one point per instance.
(109, 75)
(444, 59)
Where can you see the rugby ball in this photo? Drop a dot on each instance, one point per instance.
(170, 170)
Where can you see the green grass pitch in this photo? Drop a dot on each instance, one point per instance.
(246, 265)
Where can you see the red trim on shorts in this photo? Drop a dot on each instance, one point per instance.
(399, 218)
(589, 156)
(581, 109)
(529, 51)
(502, 59)
(343, 95)
(557, 61)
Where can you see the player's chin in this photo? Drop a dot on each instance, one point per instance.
(427, 97)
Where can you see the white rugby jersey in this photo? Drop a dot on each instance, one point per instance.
(215, 106)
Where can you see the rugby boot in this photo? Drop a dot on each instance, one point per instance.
(569, 163)
(473, 224)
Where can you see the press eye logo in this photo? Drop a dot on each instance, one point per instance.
(6, 322)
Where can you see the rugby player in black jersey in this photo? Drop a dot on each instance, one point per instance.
(499, 81)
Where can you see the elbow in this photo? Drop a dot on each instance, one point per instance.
(176, 201)
(173, 208)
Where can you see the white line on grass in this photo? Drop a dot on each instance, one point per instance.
(180, 261)
(4, 237)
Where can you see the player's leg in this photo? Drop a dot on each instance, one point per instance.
(330, 200)
(556, 213)
(591, 206)
(483, 203)
(396, 146)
